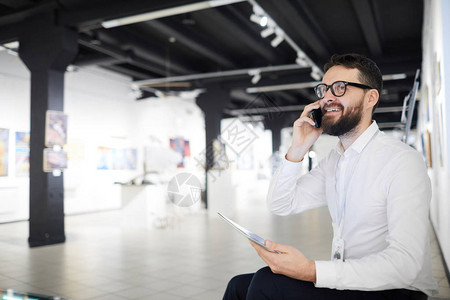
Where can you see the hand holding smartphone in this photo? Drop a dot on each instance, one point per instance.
(316, 115)
(303, 134)
(250, 235)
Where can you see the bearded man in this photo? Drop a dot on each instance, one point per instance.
(378, 194)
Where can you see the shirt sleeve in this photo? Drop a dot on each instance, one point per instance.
(400, 264)
(289, 194)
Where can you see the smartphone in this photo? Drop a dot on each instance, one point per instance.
(317, 117)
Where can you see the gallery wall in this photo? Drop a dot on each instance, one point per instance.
(433, 127)
(14, 117)
(104, 120)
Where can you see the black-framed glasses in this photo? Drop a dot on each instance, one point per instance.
(338, 88)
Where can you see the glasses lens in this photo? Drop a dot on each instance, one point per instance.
(320, 90)
(339, 88)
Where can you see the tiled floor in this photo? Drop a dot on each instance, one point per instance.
(193, 258)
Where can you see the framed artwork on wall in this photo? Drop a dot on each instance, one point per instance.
(116, 158)
(4, 151)
(22, 153)
(54, 160)
(55, 128)
(181, 146)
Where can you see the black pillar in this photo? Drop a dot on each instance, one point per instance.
(46, 49)
(212, 102)
(275, 125)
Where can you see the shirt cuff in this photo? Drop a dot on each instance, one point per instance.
(291, 168)
(326, 274)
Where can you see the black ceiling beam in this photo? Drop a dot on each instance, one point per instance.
(253, 100)
(11, 25)
(19, 16)
(17, 4)
(127, 71)
(90, 17)
(239, 33)
(239, 94)
(366, 19)
(297, 23)
(266, 81)
(306, 94)
(121, 55)
(128, 39)
(289, 98)
(187, 40)
(399, 66)
(95, 59)
(9, 33)
(267, 78)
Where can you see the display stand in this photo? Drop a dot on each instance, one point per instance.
(221, 193)
(144, 205)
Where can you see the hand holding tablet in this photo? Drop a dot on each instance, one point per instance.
(248, 234)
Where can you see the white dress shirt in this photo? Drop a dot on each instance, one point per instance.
(387, 191)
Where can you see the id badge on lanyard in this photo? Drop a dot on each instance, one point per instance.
(338, 249)
(338, 245)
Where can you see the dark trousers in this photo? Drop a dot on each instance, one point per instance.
(265, 285)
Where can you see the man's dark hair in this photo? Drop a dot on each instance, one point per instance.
(369, 73)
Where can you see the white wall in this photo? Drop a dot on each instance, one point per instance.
(101, 112)
(14, 115)
(434, 110)
(157, 120)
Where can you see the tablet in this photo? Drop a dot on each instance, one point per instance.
(250, 235)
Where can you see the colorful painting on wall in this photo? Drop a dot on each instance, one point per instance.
(4, 150)
(22, 153)
(181, 146)
(56, 128)
(116, 158)
(54, 160)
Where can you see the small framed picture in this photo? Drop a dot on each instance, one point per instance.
(55, 128)
(54, 160)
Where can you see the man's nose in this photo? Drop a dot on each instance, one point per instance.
(329, 97)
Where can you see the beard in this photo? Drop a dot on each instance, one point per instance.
(346, 123)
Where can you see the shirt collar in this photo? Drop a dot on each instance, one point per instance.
(361, 142)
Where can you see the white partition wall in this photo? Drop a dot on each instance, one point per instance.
(15, 117)
(434, 111)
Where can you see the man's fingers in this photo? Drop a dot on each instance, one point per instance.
(309, 108)
(302, 120)
(277, 247)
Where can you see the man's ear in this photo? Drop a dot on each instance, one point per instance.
(372, 97)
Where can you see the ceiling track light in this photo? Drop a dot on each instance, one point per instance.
(272, 27)
(264, 21)
(302, 59)
(301, 62)
(255, 18)
(277, 40)
(316, 74)
(256, 75)
(261, 20)
(267, 32)
(256, 78)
